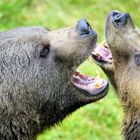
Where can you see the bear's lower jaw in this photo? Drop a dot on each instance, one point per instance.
(90, 86)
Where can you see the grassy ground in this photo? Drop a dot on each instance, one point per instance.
(97, 121)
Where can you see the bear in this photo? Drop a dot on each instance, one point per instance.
(39, 84)
(119, 58)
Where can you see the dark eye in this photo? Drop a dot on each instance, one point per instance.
(137, 59)
(45, 51)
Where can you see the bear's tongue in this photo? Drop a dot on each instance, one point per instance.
(92, 85)
(102, 53)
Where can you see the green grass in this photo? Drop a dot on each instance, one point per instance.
(96, 121)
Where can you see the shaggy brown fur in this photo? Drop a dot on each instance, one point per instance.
(123, 39)
(36, 66)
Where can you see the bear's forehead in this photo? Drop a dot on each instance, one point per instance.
(23, 32)
(31, 29)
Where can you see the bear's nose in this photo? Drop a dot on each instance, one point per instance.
(120, 18)
(83, 27)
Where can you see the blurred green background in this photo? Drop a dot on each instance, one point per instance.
(96, 121)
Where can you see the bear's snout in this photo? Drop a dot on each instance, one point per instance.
(84, 28)
(120, 19)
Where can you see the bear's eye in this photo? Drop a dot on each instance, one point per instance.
(45, 51)
(137, 59)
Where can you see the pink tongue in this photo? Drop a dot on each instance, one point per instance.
(103, 51)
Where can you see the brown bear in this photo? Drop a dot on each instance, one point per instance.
(122, 66)
(38, 86)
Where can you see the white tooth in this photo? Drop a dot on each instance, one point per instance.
(98, 83)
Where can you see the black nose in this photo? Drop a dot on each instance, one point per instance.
(120, 19)
(83, 27)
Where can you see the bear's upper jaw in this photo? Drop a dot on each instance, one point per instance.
(91, 86)
(102, 54)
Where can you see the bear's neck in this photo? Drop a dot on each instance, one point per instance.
(131, 127)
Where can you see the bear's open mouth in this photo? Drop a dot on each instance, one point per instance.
(102, 53)
(92, 86)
